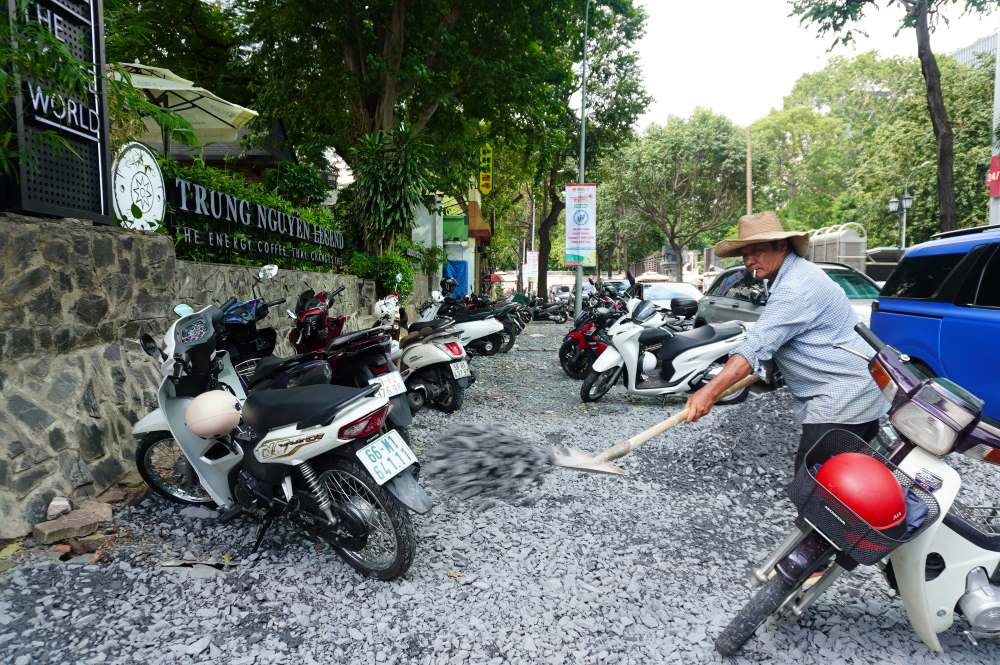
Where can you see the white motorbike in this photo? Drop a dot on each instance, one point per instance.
(431, 360)
(319, 455)
(892, 505)
(483, 334)
(658, 361)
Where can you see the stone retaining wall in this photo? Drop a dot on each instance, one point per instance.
(72, 382)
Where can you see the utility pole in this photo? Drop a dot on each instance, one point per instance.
(749, 172)
(583, 146)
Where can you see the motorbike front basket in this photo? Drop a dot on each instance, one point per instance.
(851, 534)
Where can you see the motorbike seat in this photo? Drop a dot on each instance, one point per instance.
(351, 337)
(423, 330)
(266, 366)
(265, 410)
(654, 336)
(690, 339)
(466, 315)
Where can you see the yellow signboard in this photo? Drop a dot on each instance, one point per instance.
(486, 169)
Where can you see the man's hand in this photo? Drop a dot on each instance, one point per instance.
(699, 404)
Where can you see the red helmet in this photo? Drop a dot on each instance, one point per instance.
(867, 487)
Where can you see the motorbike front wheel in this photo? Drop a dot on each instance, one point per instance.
(390, 545)
(162, 464)
(768, 599)
(562, 317)
(574, 362)
(597, 384)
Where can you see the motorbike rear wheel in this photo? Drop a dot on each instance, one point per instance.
(509, 335)
(390, 546)
(768, 600)
(162, 464)
(597, 384)
(490, 345)
(452, 398)
(562, 317)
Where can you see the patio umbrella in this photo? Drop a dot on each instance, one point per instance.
(213, 119)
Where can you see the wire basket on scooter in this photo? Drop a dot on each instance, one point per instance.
(851, 534)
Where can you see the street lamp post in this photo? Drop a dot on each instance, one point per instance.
(900, 207)
(583, 144)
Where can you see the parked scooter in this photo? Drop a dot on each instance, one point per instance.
(653, 360)
(553, 311)
(860, 504)
(431, 360)
(479, 333)
(319, 455)
(475, 306)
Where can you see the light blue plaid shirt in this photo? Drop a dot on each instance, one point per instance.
(806, 314)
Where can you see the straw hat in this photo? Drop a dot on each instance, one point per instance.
(762, 227)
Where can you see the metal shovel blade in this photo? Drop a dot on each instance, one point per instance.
(578, 460)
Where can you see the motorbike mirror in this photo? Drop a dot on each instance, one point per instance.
(399, 277)
(267, 272)
(183, 309)
(149, 346)
(629, 277)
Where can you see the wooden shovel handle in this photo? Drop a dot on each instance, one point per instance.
(628, 445)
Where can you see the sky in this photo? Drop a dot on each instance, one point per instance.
(741, 57)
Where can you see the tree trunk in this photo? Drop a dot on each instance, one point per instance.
(678, 260)
(545, 242)
(939, 119)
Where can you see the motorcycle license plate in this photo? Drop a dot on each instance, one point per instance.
(390, 384)
(386, 456)
(460, 370)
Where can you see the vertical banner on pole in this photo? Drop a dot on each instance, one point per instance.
(581, 224)
(531, 265)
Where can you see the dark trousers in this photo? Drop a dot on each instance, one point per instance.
(813, 432)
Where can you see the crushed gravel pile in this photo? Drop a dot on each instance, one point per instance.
(645, 568)
(484, 463)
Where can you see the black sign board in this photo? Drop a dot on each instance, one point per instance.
(226, 225)
(52, 180)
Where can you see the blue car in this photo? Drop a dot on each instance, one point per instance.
(941, 306)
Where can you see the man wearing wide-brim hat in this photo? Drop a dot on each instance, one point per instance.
(805, 315)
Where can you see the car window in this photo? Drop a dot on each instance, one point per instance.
(668, 291)
(855, 285)
(989, 285)
(743, 287)
(920, 276)
(725, 282)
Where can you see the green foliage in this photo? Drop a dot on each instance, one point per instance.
(299, 183)
(431, 258)
(849, 135)
(256, 193)
(29, 51)
(383, 269)
(201, 41)
(685, 178)
(390, 181)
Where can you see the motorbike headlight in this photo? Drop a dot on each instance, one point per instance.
(923, 429)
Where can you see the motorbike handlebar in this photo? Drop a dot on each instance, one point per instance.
(274, 303)
(866, 334)
(338, 291)
(229, 303)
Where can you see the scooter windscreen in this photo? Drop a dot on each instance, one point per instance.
(643, 311)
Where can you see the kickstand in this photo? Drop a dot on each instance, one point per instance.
(261, 532)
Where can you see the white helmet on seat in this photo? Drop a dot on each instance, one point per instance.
(212, 414)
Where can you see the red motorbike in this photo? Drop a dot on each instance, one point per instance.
(357, 359)
(582, 345)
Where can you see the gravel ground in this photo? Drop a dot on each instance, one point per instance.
(642, 569)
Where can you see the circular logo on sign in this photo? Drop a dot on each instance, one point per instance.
(139, 193)
(580, 217)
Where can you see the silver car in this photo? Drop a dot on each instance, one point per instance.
(735, 295)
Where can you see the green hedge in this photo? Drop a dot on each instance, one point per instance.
(256, 193)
